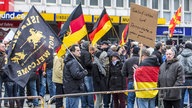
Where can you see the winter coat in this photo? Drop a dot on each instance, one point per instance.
(127, 70)
(73, 76)
(116, 80)
(99, 82)
(86, 60)
(58, 65)
(185, 58)
(171, 74)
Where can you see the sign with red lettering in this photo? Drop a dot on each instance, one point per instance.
(9, 24)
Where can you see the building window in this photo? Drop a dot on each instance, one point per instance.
(186, 5)
(80, 1)
(166, 4)
(94, 2)
(66, 1)
(176, 4)
(36, 1)
(155, 4)
(131, 1)
(119, 3)
(107, 2)
(51, 1)
(144, 2)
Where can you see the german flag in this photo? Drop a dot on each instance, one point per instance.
(73, 30)
(124, 35)
(176, 19)
(146, 76)
(101, 27)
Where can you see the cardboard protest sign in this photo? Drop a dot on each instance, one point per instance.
(143, 25)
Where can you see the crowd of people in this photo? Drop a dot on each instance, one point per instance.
(108, 67)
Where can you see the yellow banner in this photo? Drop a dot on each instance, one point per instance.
(88, 18)
(4, 15)
(161, 21)
(48, 16)
(62, 17)
(96, 17)
(125, 19)
(114, 19)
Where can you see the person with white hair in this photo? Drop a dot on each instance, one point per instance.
(171, 75)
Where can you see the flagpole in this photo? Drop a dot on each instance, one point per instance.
(73, 56)
(115, 31)
(113, 28)
(88, 37)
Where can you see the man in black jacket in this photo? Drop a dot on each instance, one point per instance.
(73, 76)
(157, 52)
(128, 71)
(86, 61)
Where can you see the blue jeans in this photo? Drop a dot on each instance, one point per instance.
(89, 99)
(107, 100)
(21, 92)
(131, 96)
(12, 89)
(72, 102)
(188, 82)
(5, 95)
(33, 91)
(146, 102)
(51, 85)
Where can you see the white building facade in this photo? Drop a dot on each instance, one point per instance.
(165, 8)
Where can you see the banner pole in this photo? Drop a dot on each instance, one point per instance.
(73, 56)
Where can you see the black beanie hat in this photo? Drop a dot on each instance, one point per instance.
(136, 50)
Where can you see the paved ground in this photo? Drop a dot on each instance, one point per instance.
(26, 105)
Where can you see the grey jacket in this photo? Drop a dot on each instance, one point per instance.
(185, 58)
(171, 74)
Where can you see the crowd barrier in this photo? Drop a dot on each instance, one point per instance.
(25, 97)
(112, 92)
(89, 93)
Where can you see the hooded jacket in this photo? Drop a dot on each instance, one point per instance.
(185, 58)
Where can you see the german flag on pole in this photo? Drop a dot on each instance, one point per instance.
(146, 76)
(124, 35)
(176, 19)
(101, 27)
(73, 30)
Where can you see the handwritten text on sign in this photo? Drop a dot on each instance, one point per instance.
(143, 24)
